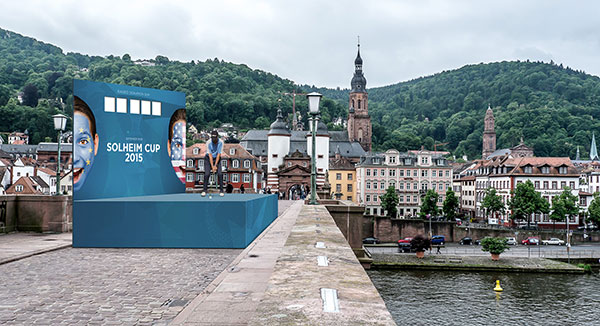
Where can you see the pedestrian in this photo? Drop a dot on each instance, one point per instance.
(438, 249)
(212, 162)
(229, 188)
(242, 190)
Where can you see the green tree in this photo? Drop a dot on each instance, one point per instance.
(526, 201)
(492, 203)
(594, 209)
(450, 205)
(564, 206)
(389, 201)
(429, 204)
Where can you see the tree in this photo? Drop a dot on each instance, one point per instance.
(31, 95)
(429, 204)
(492, 203)
(526, 201)
(450, 205)
(564, 206)
(594, 209)
(389, 201)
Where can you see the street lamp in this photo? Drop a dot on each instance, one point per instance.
(313, 107)
(60, 122)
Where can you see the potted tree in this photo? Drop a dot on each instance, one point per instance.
(419, 244)
(495, 246)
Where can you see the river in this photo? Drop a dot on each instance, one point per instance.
(458, 298)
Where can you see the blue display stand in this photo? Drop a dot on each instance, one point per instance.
(173, 221)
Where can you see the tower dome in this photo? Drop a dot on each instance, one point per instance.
(279, 127)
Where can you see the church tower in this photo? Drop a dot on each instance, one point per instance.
(489, 135)
(359, 121)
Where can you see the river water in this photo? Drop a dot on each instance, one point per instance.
(458, 298)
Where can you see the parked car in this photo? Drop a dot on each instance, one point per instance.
(532, 241)
(466, 241)
(370, 240)
(438, 240)
(511, 241)
(405, 240)
(458, 221)
(404, 247)
(553, 241)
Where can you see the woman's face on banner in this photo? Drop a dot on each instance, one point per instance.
(178, 141)
(84, 149)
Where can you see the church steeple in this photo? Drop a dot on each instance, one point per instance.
(489, 134)
(359, 121)
(593, 149)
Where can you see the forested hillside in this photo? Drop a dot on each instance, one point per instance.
(216, 91)
(554, 108)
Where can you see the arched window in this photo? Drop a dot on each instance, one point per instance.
(360, 133)
(359, 104)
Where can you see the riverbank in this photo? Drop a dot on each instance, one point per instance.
(472, 263)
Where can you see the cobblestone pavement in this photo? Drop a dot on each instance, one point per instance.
(97, 286)
(106, 286)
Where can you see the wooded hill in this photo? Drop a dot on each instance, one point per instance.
(554, 108)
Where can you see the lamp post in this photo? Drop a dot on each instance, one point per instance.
(313, 107)
(60, 122)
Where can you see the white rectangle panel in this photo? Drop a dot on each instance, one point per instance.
(109, 104)
(134, 106)
(330, 300)
(146, 107)
(322, 261)
(121, 105)
(156, 108)
(320, 245)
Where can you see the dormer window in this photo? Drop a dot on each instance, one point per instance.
(528, 169)
(232, 151)
(562, 170)
(545, 169)
(196, 151)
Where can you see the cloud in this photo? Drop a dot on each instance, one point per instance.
(314, 42)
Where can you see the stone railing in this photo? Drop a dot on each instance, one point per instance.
(37, 213)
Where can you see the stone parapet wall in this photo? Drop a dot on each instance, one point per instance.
(37, 213)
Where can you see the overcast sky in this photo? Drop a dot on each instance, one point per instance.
(314, 42)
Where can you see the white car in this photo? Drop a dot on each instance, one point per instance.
(511, 241)
(553, 241)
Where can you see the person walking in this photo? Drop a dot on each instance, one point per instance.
(242, 189)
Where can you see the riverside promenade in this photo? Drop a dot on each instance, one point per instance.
(276, 280)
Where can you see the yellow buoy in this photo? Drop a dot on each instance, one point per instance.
(498, 288)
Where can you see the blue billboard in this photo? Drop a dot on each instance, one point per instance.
(127, 141)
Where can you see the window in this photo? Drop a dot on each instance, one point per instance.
(537, 185)
(545, 169)
(424, 186)
(289, 164)
(563, 184)
(527, 169)
(392, 159)
(349, 176)
(447, 174)
(349, 188)
(201, 164)
(401, 199)
(274, 155)
(374, 172)
(338, 187)
(349, 198)
(407, 186)
(382, 185)
(320, 156)
(368, 185)
(304, 164)
(554, 184)
(189, 177)
(225, 177)
(19, 188)
(582, 201)
(368, 172)
(572, 184)
(235, 164)
(224, 164)
(232, 152)
(200, 176)
(433, 173)
(338, 176)
(247, 164)
(368, 198)
(401, 173)
(246, 177)
(235, 177)
(415, 186)
(375, 185)
(401, 185)
(441, 187)
(415, 173)
(415, 199)
(424, 160)
(392, 172)
(196, 151)
(190, 163)
(562, 170)
(545, 184)
(383, 172)
(423, 173)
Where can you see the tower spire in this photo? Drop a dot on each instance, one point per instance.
(593, 149)
(577, 157)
